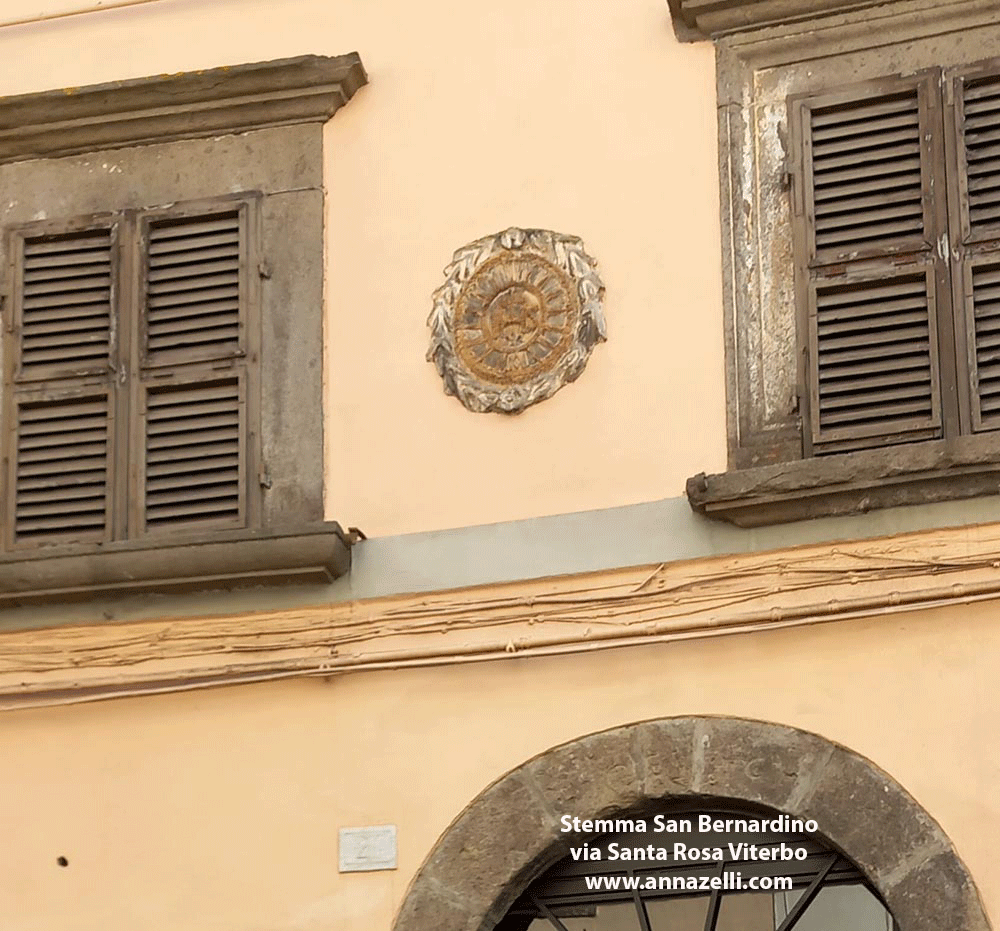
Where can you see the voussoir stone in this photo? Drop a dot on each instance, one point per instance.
(497, 841)
(754, 761)
(591, 777)
(665, 750)
(937, 895)
(862, 810)
(426, 908)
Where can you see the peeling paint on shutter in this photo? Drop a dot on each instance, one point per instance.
(61, 472)
(193, 288)
(65, 290)
(194, 443)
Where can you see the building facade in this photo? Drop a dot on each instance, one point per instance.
(425, 423)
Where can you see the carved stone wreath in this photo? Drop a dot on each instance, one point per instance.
(516, 319)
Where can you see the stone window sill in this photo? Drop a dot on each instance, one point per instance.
(310, 555)
(850, 483)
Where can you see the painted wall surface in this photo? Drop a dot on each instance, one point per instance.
(582, 116)
(219, 810)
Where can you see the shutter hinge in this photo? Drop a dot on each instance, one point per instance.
(264, 269)
(122, 374)
(942, 246)
(264, 477)
(7, 318)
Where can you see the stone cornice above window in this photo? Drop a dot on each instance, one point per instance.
(220, 101)
(711, 19)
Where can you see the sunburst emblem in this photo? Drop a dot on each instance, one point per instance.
(516, 319)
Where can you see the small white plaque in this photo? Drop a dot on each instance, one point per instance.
(364, 849)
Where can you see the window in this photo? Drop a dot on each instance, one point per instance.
(131, 375)
(163, 260)
(898, 259)
(861, 254)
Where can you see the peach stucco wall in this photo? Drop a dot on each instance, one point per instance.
(219, 810)
(583, 116)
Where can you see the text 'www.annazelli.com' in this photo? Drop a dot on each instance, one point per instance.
(726, 882)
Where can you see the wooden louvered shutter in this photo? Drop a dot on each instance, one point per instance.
(977, 252)
(60, 385)
(871, 283)
(197, 357)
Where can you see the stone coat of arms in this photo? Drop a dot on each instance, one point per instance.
(516, 319)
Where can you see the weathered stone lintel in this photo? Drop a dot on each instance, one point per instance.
(507, 836)
(165, 108)
(850, 483)
(711, 19)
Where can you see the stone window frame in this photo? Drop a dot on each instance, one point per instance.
(254, 132)
(767, 53)
(511, 832)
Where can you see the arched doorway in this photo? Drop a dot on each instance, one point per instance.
(511, 834)
(700, 868)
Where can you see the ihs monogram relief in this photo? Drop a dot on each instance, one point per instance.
(516, 319)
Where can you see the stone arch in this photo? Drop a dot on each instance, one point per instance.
(510, 833)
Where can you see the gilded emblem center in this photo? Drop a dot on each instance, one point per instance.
(515, 318)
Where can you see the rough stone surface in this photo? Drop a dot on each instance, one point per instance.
(937, 895)
(755, 762)
(866, 814)
(664, 751)
(597, 775)
(509, 835)
(496, 842)
(427, 908)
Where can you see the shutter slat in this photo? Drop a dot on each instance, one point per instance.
(870, 370)
(190, 243)
(879, 148)
(870, 324)
(194, 453)
(192, 267)
(872, 397)
(193, 306)
(192, 478)
(61, 469)
(863, 232)
(196, 450)
(53, 483)
(864, 110)
(203, 461)
(176, 229)
(168, 261)
(903, 183)
(851, 204)
(840, 384)
(865, 412)
(903, 168)
(897, 126)
(97, 284)
(83, 243)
